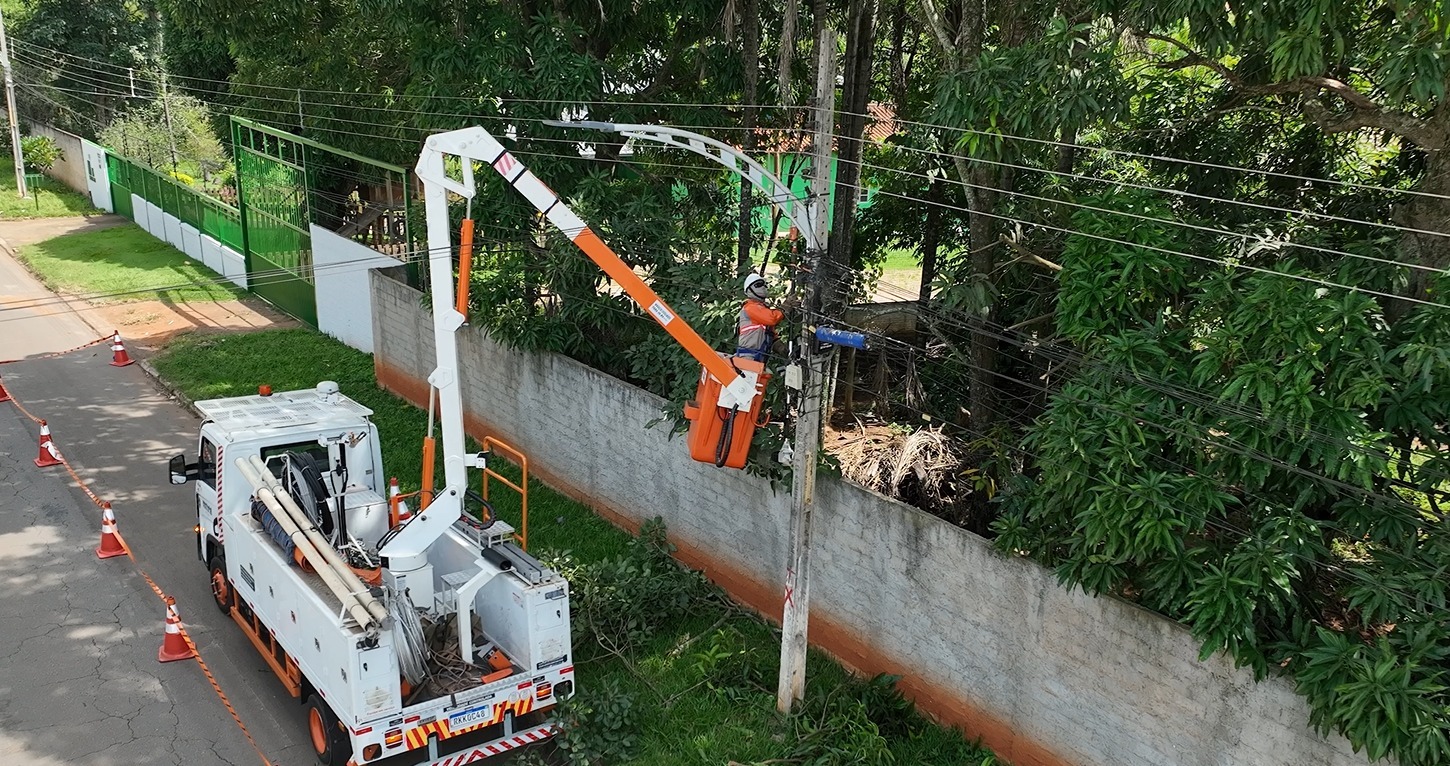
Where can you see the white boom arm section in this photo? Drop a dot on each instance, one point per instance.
(472, 145)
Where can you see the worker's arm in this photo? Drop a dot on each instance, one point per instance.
(759, 313)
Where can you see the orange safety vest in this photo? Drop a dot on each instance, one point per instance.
(757, 327)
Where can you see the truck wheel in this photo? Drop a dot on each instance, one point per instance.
(328, 743)
(221, 588)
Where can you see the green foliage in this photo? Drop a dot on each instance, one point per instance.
(1227, 432)
(598, 726)
(187, 148)
(40, 153)
(622, 601)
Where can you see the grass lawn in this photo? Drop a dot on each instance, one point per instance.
(123, 264)
(55, 199)
(901, 259)
(702, 683)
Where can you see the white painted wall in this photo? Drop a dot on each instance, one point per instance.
(173, 231)
(234, 267)
(155, 221)
(98, 177)
(191, 242)
(344, 296)
(70, 169)
(141, 211)
(211, 254)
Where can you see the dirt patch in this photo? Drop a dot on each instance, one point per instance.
(151, 324)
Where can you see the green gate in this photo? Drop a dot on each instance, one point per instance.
(119, 171)
(272, 198)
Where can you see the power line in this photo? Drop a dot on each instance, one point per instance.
(803, 108)
(1315, 280)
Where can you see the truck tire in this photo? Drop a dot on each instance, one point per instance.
(325, 734)
(221, 587)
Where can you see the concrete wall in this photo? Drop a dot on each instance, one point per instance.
(1046, 677)
(344, 299)
(70, 169)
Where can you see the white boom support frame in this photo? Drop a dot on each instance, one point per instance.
(476, 144)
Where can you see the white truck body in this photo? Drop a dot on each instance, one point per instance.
(523, 607)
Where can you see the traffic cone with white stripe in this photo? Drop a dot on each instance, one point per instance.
(49, 455)
(119, 357)
(173, 646)
(110, 546)
(4, 395)
(400, 508)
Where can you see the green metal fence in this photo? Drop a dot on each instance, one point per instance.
(210, 216)
(285, 185)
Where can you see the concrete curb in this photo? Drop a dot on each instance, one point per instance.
(167, 388)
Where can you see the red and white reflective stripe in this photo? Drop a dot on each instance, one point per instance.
(173, 622)
(216, 524)
(108, 520)
(541, 196)
(501, 746)
(749, 327)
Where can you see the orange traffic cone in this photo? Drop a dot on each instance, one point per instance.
(119, 357)
(110, 543)
(173, 646)
(49, 455)
(4, 395)
(400, 508)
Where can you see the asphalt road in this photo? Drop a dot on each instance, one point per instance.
(79, 636)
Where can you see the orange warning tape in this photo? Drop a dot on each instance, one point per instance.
(84, 487)
(103, 339)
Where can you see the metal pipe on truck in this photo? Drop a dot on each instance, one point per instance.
(353, 594)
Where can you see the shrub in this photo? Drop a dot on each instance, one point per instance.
(40, 153)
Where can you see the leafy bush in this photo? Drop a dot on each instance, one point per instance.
(1263, 461)
(598, 726)
(40, 153)
(621, 601)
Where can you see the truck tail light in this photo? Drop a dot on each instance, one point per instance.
(393, 737)
(544, 689)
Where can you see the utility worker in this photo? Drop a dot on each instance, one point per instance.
(757, 321)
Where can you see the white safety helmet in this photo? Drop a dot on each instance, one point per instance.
(755, 285)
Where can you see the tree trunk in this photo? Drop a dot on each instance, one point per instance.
(855, 96)
(1428, 213)
(983, 231)
(930, 243)
(750, 62)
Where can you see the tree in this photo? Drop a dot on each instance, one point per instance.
(1344, 67)
(122, 35)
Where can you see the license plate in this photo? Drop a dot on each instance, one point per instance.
(469, 717)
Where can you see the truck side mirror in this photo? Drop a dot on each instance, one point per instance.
(180, 470)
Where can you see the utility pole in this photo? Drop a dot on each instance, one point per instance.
(795, 616)
(10, 110)
(170, 136)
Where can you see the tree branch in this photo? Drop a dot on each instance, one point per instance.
(1028, 255)
(1364, 112)
(939, 31)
